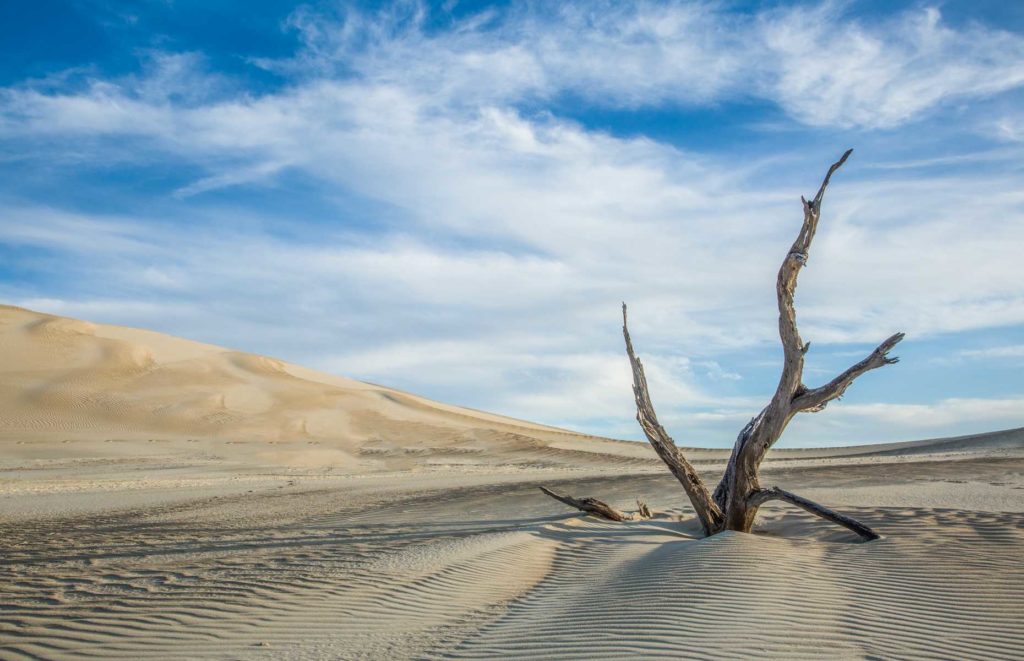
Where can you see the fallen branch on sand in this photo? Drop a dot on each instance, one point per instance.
(593, 506)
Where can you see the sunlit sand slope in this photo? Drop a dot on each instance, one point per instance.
(68, 380)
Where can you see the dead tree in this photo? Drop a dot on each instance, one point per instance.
(734, 503)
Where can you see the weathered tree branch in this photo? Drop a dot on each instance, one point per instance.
(767, 427)
(816, 399)
(754, 441)
(792, 346)
(590, 506)
(730, 477)
(762, 496)
(708, 512)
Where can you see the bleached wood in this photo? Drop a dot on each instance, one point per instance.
(816, 399)
(761, 497)
(736, 499)
(734, 493)
(593, 506)
(707, 510)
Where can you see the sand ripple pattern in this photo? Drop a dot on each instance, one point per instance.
(944, 585)
(430, 575)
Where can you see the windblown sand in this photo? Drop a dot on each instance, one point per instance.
(161, 498)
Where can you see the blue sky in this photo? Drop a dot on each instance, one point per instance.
(453, 198)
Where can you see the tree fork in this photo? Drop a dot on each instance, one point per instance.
(736, 499)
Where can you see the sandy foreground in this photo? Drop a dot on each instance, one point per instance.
(161, 498)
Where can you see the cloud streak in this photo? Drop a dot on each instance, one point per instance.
(477, 240)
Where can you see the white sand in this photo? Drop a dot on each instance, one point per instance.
(160, 498)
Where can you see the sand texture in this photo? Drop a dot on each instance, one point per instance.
(165, 499)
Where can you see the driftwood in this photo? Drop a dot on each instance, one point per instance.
(590, 506)
(734, 503)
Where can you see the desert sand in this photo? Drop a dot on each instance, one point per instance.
(162, 498)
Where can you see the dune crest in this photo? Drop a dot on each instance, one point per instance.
(91, 382)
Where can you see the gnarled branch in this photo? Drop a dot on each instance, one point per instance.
(753, 443)
(751, 447)
(735, 501)
(708, 512)
(590, 506)
(817, 398)
(792, 346)
(740, 483)
(762, 496)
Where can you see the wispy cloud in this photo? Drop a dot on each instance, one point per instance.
(1010, 351)
(1009, 128)
(828, 70)
(820, 63)
(1005, 355)
(513, 229)
(994, 412)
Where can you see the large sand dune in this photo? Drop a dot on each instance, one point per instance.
(161, 498)
(70, 380)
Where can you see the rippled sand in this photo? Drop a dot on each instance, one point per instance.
(164, 499)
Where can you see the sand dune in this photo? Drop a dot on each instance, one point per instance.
(161, 498)
(81, 382)
(81, 378)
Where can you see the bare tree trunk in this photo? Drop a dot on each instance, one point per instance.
(736, 499)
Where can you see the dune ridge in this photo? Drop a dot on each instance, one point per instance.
(92, 382)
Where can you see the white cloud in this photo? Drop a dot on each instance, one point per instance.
(1009, 351)
(1009, 128)
(1005, 355)
(820, 63)
(626, 218)
(827, 70)
(518, 232)
(993, 413)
